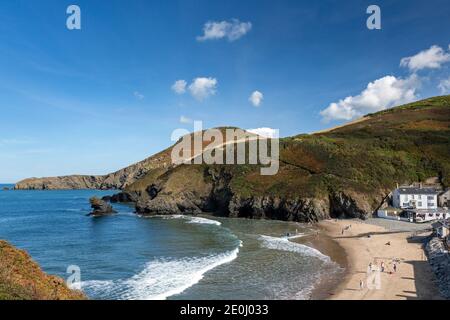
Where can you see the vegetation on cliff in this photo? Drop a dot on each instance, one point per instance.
(346, 171)
(343, 172)
(22, 279)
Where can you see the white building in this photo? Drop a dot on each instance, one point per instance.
(415, 198)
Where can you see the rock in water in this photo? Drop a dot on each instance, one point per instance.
(100, 207)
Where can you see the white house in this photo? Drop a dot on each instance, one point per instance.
(415, 198)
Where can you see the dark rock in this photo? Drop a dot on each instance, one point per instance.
(218, 198)
(439, 259)
(107, 198)
(123, 197)
(100, 207)
(5, 188)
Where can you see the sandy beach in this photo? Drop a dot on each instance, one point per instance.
(366, 244)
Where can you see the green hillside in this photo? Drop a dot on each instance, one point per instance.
(343, 172)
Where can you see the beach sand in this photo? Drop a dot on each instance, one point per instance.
(414, 278)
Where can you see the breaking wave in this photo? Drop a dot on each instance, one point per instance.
(284, 244)
(189, 219)
(203, 221)
(160, 278)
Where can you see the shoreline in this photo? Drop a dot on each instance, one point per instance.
(414, 279)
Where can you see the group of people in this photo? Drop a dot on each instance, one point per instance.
(373, 267)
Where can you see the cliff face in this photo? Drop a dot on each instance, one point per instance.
(343, 172)
(214, 189)
(116, 180)
(120, 179)
(60, 183)
(22, 279)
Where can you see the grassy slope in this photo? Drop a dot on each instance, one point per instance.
(400, 145)
(404, 144)
(22, 279)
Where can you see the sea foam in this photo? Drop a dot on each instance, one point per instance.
(203, 221)
(189, 219)
(160, 278)
(285, 245)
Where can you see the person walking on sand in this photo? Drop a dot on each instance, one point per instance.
(361, 285)
(395, 267)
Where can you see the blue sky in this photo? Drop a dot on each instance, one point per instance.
(94, 100)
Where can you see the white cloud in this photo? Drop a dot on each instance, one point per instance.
(266, 132)
(232, 30)
(383, 93)
(256, 98)
(431, 58)
(179, 86)
(138, 95)
(185, 120)
(444, 86)
(202, 88)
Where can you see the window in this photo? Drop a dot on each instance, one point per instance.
(419, 204)
(430, 198)
(431, 204)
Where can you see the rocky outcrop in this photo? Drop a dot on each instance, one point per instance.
(214, 194)
(120, 179)
(345, 172)
(100, 207)
(61, 183)
(123, 197)
(116, 180)
(22, 279)
(287, 209)
(439, 259)
(267, 207)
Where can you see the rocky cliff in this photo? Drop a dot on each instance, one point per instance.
(343, 172)
(120, 179)
(22, 279)
(116, 180)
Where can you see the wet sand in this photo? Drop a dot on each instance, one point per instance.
(364, 243)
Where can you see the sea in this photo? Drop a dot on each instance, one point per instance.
(131, 257)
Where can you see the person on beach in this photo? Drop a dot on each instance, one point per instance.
(395, 267)
(382, 266)
(361, 285)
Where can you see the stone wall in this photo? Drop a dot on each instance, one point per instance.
(439, 258)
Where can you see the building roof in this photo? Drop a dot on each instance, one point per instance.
(415, 190)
